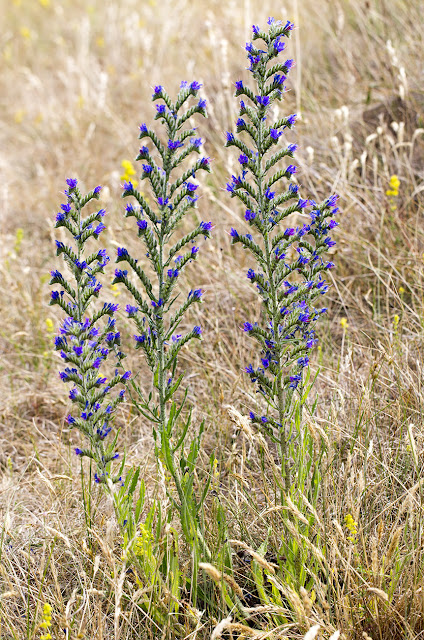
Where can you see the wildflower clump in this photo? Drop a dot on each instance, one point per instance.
(86, 339)
(289, 253)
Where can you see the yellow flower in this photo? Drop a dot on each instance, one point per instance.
(44, 3)
(128, 166)
(115, 290)
(47, 621)
(401, 291)
(19, 116)
(100, 42)
(129, 172)
(49, 325)
(18, 239)
(25, 33)
(395, 322)
(344, 323)
(351, 526)
(394, 183)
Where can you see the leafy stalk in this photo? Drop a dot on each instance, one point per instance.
(289, 259)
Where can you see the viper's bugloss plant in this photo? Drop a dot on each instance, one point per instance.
(289, 256)
(87, 335)
(159, 305)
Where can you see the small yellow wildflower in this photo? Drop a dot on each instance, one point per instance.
(49, 325)
(25, 33)
(143, 542)
(352, 527)
(394, 183)
(395, 322)
(44, 3)
(19, 116)
(100, 42)
(17, 3)
(47, 621)
(115, 290)
(401, 291)
(129, 172)
(18, 239)
(344, 323)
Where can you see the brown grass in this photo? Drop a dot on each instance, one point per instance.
(75, 80)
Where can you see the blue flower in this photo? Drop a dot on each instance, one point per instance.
(142, 224)
(158, 91)
(278, 45)
(202, 104)
(269, 195)
(249, 215)
(243, 159)
(131, 310)
(122, 252)
(251, 274)
(331, 202)
(174, 144)
(72, 183)
(197, 330)
(247, 326)
(263, 101)
(275, 134)
(195, 86)
(147, 168)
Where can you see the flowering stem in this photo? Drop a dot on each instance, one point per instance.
(289, 265)
(173, 198)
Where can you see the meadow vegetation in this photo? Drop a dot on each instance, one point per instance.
(338, 554)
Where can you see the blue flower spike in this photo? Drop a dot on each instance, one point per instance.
(287, 243)
(88, 334)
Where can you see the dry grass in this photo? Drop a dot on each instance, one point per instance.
(75, 81)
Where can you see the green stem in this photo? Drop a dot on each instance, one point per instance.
(275, 313)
